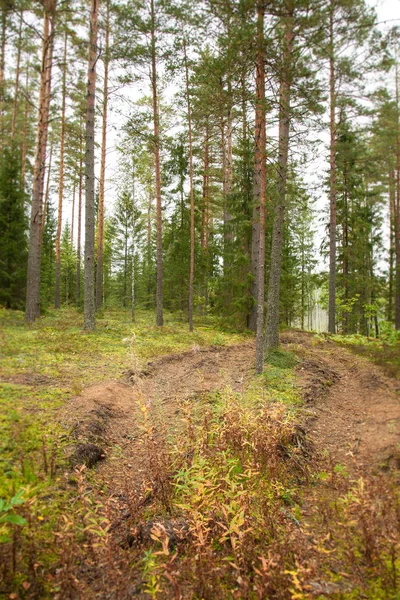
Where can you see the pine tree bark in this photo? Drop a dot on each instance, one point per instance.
(79, 234)
(89, 292)
(57, 302)
(345, 251)
(332, 176)
(47, 193)
(397, 244)
(32, 309)
(17, 76)
(24, 150)
(191, 191)
(2, 66)
(260, 182)
(73, 214)
(100, 212)
(204, 191)
(205, 213)
(272, 326)
(392, 201)
(156, 125)
(133, 311)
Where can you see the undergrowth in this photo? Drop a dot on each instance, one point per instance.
(235, 505)
(383, 351)
(40, 367)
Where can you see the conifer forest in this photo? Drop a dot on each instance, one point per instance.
(199, 299)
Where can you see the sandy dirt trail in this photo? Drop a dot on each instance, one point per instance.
(352, 410)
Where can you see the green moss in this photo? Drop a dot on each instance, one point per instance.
(282, 359)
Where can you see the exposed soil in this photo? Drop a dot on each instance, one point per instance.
(351, 418)
(352, 412)
(355, 408)
(113, 414)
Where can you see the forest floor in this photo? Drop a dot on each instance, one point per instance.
(352, 409)
(209, 481)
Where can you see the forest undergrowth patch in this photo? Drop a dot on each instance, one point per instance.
(235, 502)
(41, 368)
(383, 351)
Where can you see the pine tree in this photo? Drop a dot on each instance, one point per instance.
(89, 290)
(32, 309)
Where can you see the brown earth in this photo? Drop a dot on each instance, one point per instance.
(351, 414)
(355, 416)
(120, 415)
(352, 410)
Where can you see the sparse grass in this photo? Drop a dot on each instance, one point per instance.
(57, 346)
(384, 351)
(277, 384)
(40, 367)
(236, 475)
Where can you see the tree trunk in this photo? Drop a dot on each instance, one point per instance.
(25, 131)
(205, 191)
(78, 241)
(191, 193)
(346, 249)
(57, 302)
(89, 296)
(260, 182)
(125, 265)
(100, 213)
(272, 327)
(17, 76)
(47, 194)
(2, 66)
(392, 201)
(156, 124)
(73, 214)
(397, 245)
(133, 247)
(332, 180)
(32, 310)
(204, 238)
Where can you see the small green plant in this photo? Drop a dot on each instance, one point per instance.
(8, 516)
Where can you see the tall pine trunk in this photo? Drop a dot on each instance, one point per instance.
(2, 66)
(57, 302)
(73, 214)
(332, 177)
(100, 212)
(79, 234)
(156, 126)
(191, 192)
(392, 201)
(17, 76)
(272, 327)
(89, 292)
(24, 150)
(397, 246)
(260, 182)
(32, 310)
(204, 237)
(47, 192)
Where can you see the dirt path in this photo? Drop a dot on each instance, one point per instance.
(353, 411)
(118, 415)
